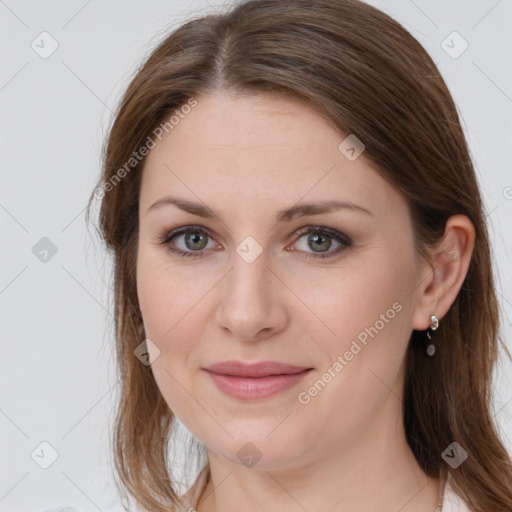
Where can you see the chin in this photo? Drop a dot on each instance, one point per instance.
(259, 445)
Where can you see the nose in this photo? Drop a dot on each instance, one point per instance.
(252, 299)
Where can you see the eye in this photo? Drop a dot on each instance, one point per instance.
(188, 241)
(320, 240)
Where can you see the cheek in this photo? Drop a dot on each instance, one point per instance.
(165, 301)
(369, 313)
(361, 362)
(360, 297)
(172, 305)
(166, 296)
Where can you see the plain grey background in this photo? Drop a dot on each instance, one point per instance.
(58, 383)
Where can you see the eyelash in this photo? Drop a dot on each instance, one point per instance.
(341, 238)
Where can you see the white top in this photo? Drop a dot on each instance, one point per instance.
(451, 502)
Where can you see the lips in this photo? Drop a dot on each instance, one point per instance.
(255, 381)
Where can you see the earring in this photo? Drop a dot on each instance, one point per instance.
(434, 324)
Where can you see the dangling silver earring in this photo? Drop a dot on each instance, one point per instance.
(434, 324)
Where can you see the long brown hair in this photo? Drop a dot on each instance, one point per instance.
(368, 76)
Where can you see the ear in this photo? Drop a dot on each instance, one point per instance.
(445, 271)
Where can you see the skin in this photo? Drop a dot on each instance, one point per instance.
(345, 450)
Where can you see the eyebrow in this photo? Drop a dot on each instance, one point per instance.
(286, 215)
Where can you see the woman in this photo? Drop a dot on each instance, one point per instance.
(302, 271)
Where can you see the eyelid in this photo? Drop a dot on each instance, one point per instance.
(168, 236)
(341, 238)
(333, 233)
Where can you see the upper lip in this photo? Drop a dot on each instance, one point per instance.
(261, 369)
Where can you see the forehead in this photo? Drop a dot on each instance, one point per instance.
(266, 148)
(221, 123)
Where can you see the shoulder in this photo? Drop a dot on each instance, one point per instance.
(452, 502)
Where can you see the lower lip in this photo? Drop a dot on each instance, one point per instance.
(252, 388)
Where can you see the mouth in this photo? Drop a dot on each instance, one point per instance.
(255, 381)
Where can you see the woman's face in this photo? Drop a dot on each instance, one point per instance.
(281, 274)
